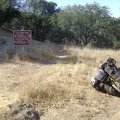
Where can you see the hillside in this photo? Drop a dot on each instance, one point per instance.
(56, 79)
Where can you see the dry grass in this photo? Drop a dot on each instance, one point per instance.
(38, 51)
(97, 55)
(65, 80)
(51, 85)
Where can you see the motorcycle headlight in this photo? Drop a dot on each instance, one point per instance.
(93, 80)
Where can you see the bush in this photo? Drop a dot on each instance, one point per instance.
(117, 45)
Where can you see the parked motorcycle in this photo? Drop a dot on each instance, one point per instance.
(107, 77)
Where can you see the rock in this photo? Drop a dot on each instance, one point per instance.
(24, 111)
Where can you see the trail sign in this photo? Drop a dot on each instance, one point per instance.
(22, 37)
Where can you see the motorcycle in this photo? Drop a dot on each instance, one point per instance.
(107, 77)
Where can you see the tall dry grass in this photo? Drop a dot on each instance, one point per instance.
(36, 51)
(55, 83)
(98, 55)
(69, 78)
(51, 85)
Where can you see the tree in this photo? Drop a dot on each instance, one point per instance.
(37, 17)
(115, 31)
(10, 3)
(9, 11)
(88, 24)
(40, 7)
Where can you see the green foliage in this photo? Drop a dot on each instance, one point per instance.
(83, 22)
(36, 17)
(9, 10)
(117, 45)
(40, 7)
(88, 25)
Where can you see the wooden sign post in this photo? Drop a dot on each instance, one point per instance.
(22, 38)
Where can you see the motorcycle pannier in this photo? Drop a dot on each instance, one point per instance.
(113, 72)
(101, 75)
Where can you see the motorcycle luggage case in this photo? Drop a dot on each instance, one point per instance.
(113, 72)
(101, 75)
